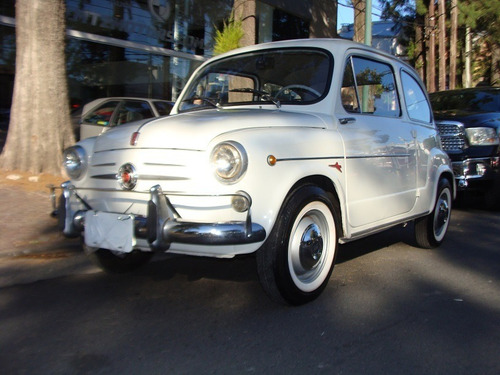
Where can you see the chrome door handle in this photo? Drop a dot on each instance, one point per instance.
(347, 120)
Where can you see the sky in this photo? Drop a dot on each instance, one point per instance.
(346, 13)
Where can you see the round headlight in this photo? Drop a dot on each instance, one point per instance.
(229, 161)
(75, 162)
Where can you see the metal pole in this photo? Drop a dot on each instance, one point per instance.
(368, 42)
(368, 23)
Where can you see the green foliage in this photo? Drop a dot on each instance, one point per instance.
(230, 36)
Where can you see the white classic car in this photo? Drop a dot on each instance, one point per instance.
(283, 149)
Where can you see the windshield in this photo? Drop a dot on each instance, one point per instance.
(285, 76)
(468, 101)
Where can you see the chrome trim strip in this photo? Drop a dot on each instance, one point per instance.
(379, 156)
(104, 165)
(146, 148)
(161, 178)
(165, 165)
(310, 158)
(347, 157)
(141, 177)
(104, 176)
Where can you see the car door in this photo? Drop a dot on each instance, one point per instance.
(380, 163)
(419, 113)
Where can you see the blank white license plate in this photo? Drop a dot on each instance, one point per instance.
(109, 231)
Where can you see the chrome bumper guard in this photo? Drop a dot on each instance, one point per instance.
(163, 225)
(474, 169)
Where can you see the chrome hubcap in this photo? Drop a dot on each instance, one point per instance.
(311, 247)
(442, 214)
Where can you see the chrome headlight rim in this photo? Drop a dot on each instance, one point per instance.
(75, 162)
(482, 136)
(229, 161)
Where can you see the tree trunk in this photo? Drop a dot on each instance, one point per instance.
(419, 50)
(453, 44)
(40, 126)
(323, 19)
(359, 20)
(431, 64)
(468, 49)
(495, 65)
(245, 11)
(442, 44)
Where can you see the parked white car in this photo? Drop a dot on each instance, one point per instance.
(283, 149)
(102, 114)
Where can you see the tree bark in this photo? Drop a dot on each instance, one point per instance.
(442, 44)
(453, 44)
(431, 64)
(419, 50)
(359, 20)
(323, 19)
(245, 11)
(40, 126)
(495, 65)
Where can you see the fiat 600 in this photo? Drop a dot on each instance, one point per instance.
(283, 149)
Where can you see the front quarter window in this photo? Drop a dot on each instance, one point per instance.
(416, 102)
(369, 87)
(282, 76)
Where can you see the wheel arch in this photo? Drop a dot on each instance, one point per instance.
(328, 186)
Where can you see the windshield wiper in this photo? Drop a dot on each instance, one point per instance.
(203, 99)
(264, 95)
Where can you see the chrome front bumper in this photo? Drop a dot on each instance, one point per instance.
(162, 225)
(476, 169)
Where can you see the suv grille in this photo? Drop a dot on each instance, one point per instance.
(452, 135)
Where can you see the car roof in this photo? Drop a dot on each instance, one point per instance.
(336, 44)
(94, 103)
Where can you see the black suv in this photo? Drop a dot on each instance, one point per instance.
(469, 125)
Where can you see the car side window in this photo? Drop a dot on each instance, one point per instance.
(133, 111)
(348, 90)
(102, 114)
(416, 102)
(374, 86)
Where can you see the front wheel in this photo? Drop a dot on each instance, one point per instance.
(296, 262)
(431, 229)
(115, 262)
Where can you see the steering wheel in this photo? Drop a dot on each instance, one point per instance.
(300, 87)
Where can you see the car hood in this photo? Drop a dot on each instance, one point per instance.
(195, 130)
(470, 119)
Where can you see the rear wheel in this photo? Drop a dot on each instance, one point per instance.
(116, 262)
(296, 262)
(431, 229)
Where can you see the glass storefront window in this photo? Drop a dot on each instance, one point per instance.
(175, 24)
(97, 70)
(7, 71)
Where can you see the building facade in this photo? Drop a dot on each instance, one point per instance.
(148, 48)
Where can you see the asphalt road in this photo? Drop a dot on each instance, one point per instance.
(390, 308)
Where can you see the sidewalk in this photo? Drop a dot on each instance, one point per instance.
(31, 247)
(27, 229)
